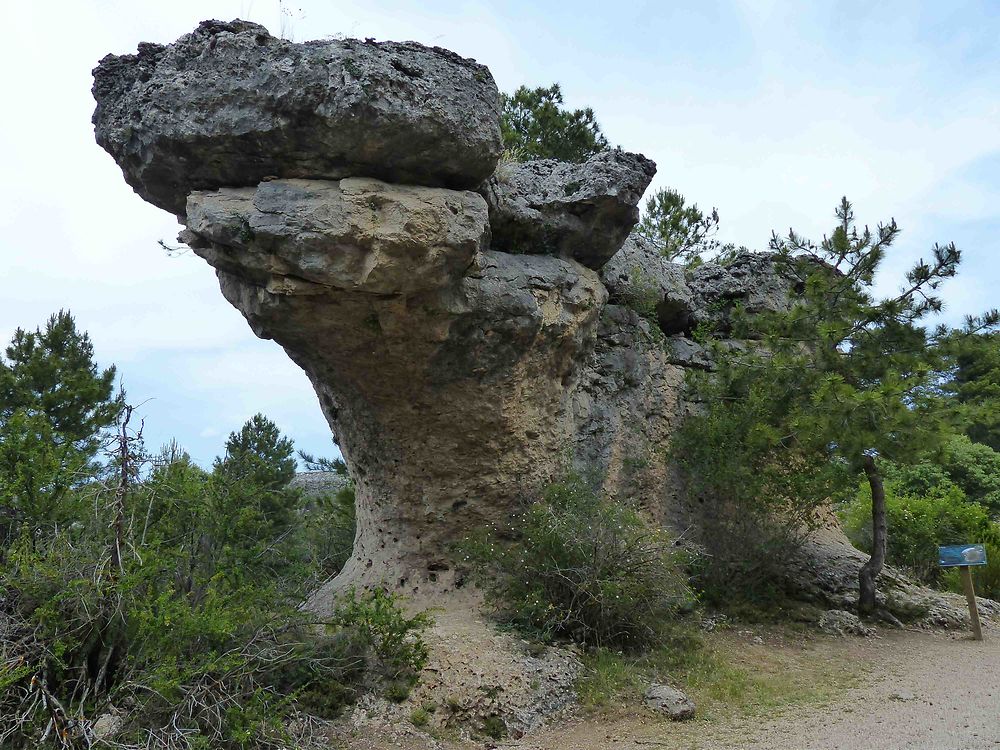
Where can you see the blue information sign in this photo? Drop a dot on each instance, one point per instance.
(955, 555)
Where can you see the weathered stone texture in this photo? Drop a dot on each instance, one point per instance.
(456, 333)
(446, 384)
(229, 105)
(579, 211)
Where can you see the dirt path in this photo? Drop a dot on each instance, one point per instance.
(921, 691)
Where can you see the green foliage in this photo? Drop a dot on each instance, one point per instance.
(973, 361)
(680, 231)
(321, 463)
(51, 371)
(584, 568)
(381, 625)
(54, 404)
(258, 453)
(787, 421)
(173, 594)
(328, 528)
(919, 523)
(758, 494)
(973, 468)
(534, 125)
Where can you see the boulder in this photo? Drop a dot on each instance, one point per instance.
(580, 211)
(840, 622)
(229, 105)
(758, 282)
(639, 276)
(355, 234)
(669, 701)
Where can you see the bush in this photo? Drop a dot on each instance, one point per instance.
(584, 568)
(173, 595)
(972, 467)
(758, 497)
(328, 529)
(917, 525)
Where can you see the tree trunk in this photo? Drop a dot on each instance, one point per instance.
(871, 569)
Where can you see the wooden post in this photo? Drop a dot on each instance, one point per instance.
(970, 595)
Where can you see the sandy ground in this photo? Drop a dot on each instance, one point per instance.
(913, 690)
(921, 691)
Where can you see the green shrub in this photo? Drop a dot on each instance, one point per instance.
(584, 568)
(972, 467)
(173, 595)
(917, 525)
(379, 622)
(328, 531)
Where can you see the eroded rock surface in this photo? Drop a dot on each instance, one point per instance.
(229, 105)
(579, 211)
(456, 332)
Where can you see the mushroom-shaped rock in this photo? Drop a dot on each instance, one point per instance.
(443, 371)
(580, 211)
(231, 105)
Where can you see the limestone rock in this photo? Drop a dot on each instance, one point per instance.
(474, 672)
(686, 352)
(446, 373)
(639, 276)
(579, 211)
(627, 405)
(670, 701)
(106, 726)
(356, 234)
(229, 104)
(317, 484)
(328, 185)
(840, 622)
(759, 282)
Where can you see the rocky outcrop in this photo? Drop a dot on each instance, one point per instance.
(578, 211)
(229, 104)
(456, 331)
(640, 277)
(670, 702)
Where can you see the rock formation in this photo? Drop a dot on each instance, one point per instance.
(469, 329)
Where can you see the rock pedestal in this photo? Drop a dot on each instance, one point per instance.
(327, 183)
(447, 309)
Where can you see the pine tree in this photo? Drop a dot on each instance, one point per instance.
(837, 383)
(679, 231)
(535, 125)
(55, 404)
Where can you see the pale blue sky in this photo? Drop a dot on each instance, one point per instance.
(768, 110)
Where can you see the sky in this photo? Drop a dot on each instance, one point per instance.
(769, 111)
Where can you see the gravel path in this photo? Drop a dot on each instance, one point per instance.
(922, 691)
(925, 692)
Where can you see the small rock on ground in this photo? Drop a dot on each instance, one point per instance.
(670, 702)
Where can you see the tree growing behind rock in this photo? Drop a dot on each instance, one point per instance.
(55, 405)
(827, 389)
(535, 125)
(681, 232)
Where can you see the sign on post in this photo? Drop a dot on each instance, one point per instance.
(961, 556)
